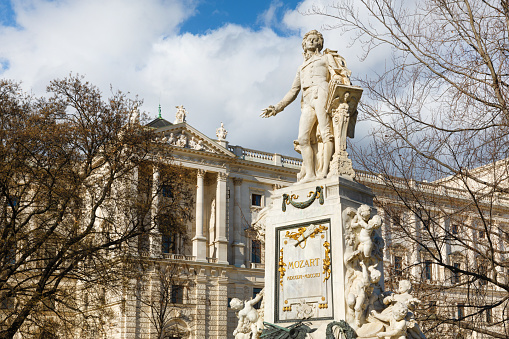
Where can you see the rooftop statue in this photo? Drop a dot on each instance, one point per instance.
(328, 107)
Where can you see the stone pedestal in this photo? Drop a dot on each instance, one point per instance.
(304, 262)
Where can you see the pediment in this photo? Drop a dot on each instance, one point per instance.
(187, 137)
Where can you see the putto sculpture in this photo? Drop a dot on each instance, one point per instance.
(250, 322)
(328, 108)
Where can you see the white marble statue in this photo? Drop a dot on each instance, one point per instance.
(363, 269)
(250, 322)
(316, 138)
(180, 116)
(396, 325)
(182, 140)
(221, 132)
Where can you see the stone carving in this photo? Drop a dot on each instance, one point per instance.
(221, 132)
(396, 302)
(180, 116)
(363, 269)
(196, 144)
(371, 311)
(305, 310)
(250, 322)
(171, 139)
(181, 141)
(287, 199)
(327, 93)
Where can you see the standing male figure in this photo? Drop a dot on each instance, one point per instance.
(312, 78)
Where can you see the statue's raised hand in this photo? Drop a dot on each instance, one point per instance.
(269, 112)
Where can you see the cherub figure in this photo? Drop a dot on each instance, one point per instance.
(365, 235)
(250, 323)
(397, 328)
(403, 296)
(361, 290)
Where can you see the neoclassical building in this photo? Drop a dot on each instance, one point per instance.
(223, 258)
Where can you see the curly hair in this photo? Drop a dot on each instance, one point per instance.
(313, 32)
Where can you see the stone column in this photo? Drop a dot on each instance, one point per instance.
(199, 241)
(221, 241)
(415, 256)
(239, 248)
(155, 235)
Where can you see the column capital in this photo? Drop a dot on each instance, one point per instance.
(237, 181)
(222, 176)
(201, 173)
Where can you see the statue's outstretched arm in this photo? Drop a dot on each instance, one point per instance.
(287, 99)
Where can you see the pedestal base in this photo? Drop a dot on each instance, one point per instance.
(304, 269)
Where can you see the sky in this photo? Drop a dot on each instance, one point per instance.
(224, 60)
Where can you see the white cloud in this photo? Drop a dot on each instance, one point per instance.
(229, 74)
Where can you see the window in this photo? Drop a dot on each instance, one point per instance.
(166, 191)
(177, 294)
(455, 278)
(460, 311)
(10, 258)
(256, 251)
(489, 319)
(6, 303)
(433, 307)
(169, 243)
(426, 224)
(256, 199)
(482, 234)
(396, 219)
(13, 201)
(398, 265)
(427, 270)
(255, 292)
(483, 271)
(454, 229)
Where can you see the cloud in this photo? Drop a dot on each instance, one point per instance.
(228, 74)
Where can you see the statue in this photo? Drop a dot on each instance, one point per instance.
(250, 322)
(397, 325)
(221, 132)
(323, 79)
(180, 116)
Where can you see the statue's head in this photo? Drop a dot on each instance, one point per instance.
(236, 304)
(375, 275)
(313, 33)
(405, 286)
(399, 311)
(364, 211)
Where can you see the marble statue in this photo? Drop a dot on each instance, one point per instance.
(180, 116)
(326, 93)
(221, 132)
(182, 140)
(363, 269)
(250, 322)
(396, 324)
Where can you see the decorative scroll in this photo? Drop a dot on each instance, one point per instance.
(281, 268)
(303, 233)
(318, 194)
(326, 261)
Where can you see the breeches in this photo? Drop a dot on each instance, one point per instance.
(313, 104)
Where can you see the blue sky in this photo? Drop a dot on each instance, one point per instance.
(212, 14)
(224, 60)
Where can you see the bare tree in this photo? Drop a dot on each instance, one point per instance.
(72, 203)
(162, 291)
(440, 148)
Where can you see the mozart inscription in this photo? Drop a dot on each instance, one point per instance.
(304, 272)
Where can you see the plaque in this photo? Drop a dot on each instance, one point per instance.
(303, 273)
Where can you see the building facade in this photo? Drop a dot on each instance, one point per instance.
(222, 258)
